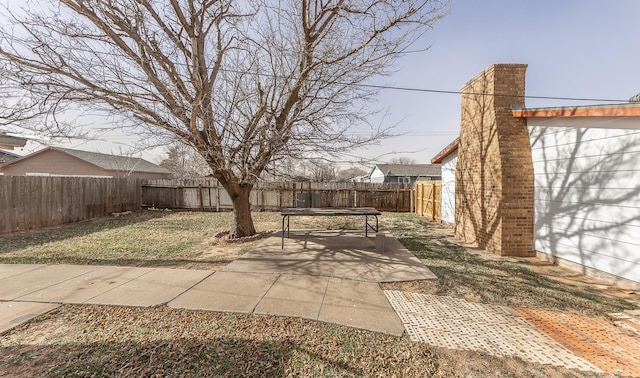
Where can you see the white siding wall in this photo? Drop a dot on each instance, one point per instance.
(449, 188)
(377, 176)
(587, 195)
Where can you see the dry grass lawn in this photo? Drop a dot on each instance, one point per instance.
(95, 341)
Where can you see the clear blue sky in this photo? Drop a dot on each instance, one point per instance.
(574, 48)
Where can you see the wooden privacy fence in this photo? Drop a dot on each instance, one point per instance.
(209, 195)
(185, 194)
(429, 199)
(32, 202)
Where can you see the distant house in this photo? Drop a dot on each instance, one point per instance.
(9, 141)
(6, 157)
(362, 178)
(404, 173)
(448, 159)
(56, 161)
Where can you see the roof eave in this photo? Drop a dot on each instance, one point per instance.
(9, 141)
(27, 156)
(617, 110)
(451, 148)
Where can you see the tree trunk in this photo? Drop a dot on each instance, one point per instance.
(242, 221)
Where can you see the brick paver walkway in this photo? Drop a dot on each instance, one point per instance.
(454, 323)
(613, 349)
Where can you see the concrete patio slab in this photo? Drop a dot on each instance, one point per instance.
(154, 288)
(336, 253)
(31, 281)
(87, 286)
(9, 270)
(226, 292)
(343, 301)
(299, 296)
(360, 305)
(16, 313)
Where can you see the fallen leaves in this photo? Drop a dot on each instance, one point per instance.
(108, 341)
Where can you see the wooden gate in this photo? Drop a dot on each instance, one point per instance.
(428, 199)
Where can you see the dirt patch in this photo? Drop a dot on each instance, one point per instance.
(217, 251)
(579, 281)
(563, 276)
(479, 276)
(222, 237)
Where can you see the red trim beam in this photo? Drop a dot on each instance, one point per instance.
(623, 110)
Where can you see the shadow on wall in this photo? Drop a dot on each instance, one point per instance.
(494, 173)
(587, 197)
(477, 195)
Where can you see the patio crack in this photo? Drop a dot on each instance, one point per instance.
(324, 295)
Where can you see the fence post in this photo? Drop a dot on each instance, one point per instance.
(141, 196)
(397, 197)
(218, 197)
(419, 200)
(411, 199)
(418, 197)
(433, 201)
(423, 200)
(175, 197)
(294, 196)
(201, 197)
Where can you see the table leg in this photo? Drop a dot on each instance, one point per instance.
(367, 225)
(287, 228)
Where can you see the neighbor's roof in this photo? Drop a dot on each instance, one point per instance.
(614, 110)
(105, 161)
(6, 157)
(451, 148)
(406, 170)
(9, 141)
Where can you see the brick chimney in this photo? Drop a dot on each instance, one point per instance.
(494, 173)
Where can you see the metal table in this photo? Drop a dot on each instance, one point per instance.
(330, 212)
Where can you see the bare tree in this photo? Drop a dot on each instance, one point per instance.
(243, 82)
(350, 173)
(318, 170)
(16, 105)
(301, 169)
(184, 162)
(403, 160)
